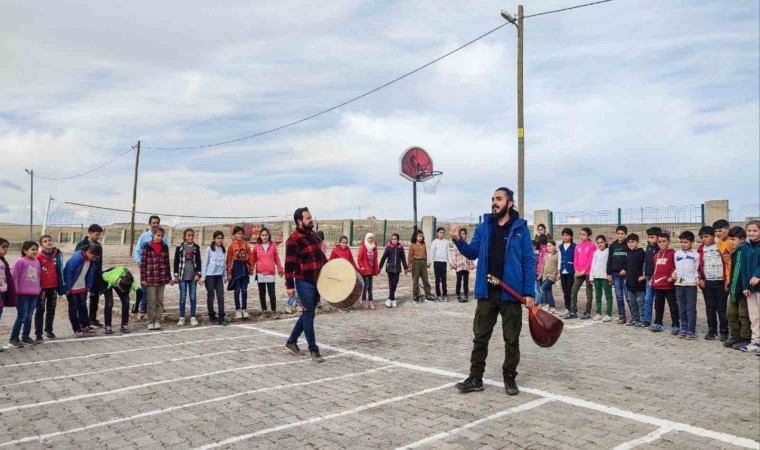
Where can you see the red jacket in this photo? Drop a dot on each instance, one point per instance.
(339, 252)
(366, 265)
(49, 269)
(664, 266)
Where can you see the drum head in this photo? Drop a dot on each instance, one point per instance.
(337, 281)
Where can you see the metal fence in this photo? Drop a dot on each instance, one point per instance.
(743, 214)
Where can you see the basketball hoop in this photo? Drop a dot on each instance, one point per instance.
(430, 181)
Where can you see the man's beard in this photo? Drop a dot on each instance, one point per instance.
(308, 227)
(501, 214)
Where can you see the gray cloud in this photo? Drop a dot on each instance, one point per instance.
(9, 185)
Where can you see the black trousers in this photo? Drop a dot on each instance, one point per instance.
(392, 285)
(659, 306)
(263, 289)
(78, 311)
(715, 305)
(486, 314)
(567, 280)
(215, 287)
(108, 310)
(46, 310)
(463, 280)
(439, 268)
(98, 286)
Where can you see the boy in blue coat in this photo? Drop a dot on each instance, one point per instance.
(79, 277)
(502, 246)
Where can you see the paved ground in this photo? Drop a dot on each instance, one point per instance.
(387, 383)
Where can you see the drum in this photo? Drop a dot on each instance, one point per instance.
(339, 284)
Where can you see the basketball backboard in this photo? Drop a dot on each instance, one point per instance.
(415, 164)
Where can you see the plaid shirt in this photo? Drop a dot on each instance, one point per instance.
(303, 257)
(154, 268)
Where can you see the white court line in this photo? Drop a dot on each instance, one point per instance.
(651, 437)
(611, 410)
(129, 335)
(117, 352)
(147, 364)
(316, 419)
(155, 412)
(583, 324)
(151, 384)
(437, 437)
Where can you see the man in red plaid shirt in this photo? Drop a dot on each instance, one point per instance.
(303, 261)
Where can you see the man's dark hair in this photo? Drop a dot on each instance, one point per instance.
(154, 217)
(737, 232)
(688, 235)
(587, 230)
(95, 228)
(654, 231)
(508, 191)
(632, 237)
(707, 230)
(721, 223)
(298, 215)
(622, 228)
(568, 231)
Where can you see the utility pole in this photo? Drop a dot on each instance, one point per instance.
(47, 211)
(134, 200)
(519, 23)
(31, 205)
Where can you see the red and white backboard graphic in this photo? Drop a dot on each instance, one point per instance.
(415, 164)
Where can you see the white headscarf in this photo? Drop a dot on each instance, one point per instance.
(370, 245)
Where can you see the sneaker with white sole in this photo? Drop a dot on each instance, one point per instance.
(181, 322)
(606, 318)
(238, 314)
(157, 325)
(245, 314)
(394, 304)
(598, 317)
(749, 348)
(151, 326)
(288, 309)
(388, 303)
(193, 322)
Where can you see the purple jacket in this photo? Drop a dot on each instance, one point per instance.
(26, 276)
(10, 295)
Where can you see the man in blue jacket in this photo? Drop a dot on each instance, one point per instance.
(502, 246)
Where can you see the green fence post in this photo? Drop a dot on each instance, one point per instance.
(620, 216)
(435, 225)
(551, 223)
(703, 214)
(351, 233)
(385, 230)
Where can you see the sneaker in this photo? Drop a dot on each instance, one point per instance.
(567, 315)
(124, 329)
(16, 343)
(606, 318)
(221, 322)
(288, 309)
(316, 357)
(657, 328)
(510, 385)
(193, 322)
(749, 348)
(459, 298)
(470, 384)
(51, 336)
(157, 325)
(585, 316)
(151, 326)
(730, 342)
(674, 330)
(108, 330)
(394, 304)
(430, 298)
(641, 324)
(39, 339)
(445, 298)
(293, 349)
(244, 314)
(80, 334)
(28, 340)
(757, 352)
(345, 310)
(681, 335)
(598, 317)
(553, 310)
(573, 315)
(689, 336)
(466, 298)
(238, 314)
(723, 337)
(621, 320)
(95, 323)
(630, 323)
(181, 322)
(212, 319)
(710, 337)
(371, 304)
(736, 346)
(388, 304)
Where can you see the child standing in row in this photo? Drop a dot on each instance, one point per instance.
(750, 275)
(265, 261)
(663, 284)
(213, 276)
(79, 277)
(94, 233)
(239, 270)
(712, 282)
(26, 276)
(567, 265)
(441, 259)
(7, 287)
(635, 281)
(368, 268)
(155, 274)
(549, 275)
(462, 266)
(584, 254)
(651, 250)
(599, 277)
(396, 258)
(616, 269)
(418, 261)
(737, 311)
(187, 272)
(51, 282)
(687, 279)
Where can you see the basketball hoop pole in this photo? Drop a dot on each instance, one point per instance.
(414, 199)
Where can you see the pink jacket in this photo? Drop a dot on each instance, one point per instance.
(584, 255)
(541, 257)
(266, 260)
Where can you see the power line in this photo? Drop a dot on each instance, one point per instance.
(359, 97)
(84, 173)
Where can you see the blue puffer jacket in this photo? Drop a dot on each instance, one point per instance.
(519, 262)
(73, 269)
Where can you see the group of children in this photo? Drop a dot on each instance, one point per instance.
(726, 267)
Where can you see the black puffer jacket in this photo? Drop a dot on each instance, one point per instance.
(394, 255)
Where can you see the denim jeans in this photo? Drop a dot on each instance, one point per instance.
(367, 291)
(546, 292)
(686, 297)
(308, 298)
(646, 316)
(184, 287)
(25, 311)
(241, 293)
(78, 311)
(45, 314)
(620, 290)
(539, 293)
(636, 302)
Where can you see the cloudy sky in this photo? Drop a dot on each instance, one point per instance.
(628, 103)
